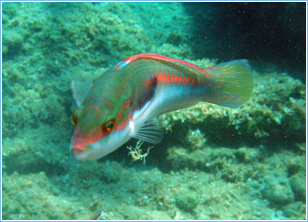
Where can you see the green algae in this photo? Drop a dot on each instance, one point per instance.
(214, 163)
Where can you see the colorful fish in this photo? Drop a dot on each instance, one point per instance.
(122, 102)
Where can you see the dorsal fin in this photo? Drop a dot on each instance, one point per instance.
(175, 63)
(81, 85)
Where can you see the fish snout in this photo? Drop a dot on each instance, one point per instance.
(75, 152)
(78, 146)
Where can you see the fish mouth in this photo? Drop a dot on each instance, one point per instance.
(76, 152)
(83, 154)
(79, 149)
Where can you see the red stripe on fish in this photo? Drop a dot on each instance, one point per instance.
(166, 77)
(159, 58)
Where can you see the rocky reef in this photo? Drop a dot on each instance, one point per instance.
(213, 163)
(276, 113)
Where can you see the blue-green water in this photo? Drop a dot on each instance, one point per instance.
(213, 163)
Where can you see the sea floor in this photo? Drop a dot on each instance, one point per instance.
(214, 163)
(175, 182)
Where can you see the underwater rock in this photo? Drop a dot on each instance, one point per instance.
(196, 139)
(278, 190)
(262, 120)
(295, 210)
(298, 184)
(297, 164)
(208, 160)
(187, 200)
(12, 42)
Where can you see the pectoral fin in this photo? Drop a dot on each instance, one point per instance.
(150, 132)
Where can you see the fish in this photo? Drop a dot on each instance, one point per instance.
(122, 102)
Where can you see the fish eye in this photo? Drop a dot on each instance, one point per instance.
(74, 117)
(109, 125)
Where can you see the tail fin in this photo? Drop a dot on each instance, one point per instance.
(233, 83)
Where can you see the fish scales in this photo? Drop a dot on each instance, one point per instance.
(123, 100)
(155, 80)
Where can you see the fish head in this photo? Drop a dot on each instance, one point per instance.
(98, 130)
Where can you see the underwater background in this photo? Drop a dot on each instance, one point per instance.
(213, 163)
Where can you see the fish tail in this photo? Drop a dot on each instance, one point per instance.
(232, 83)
